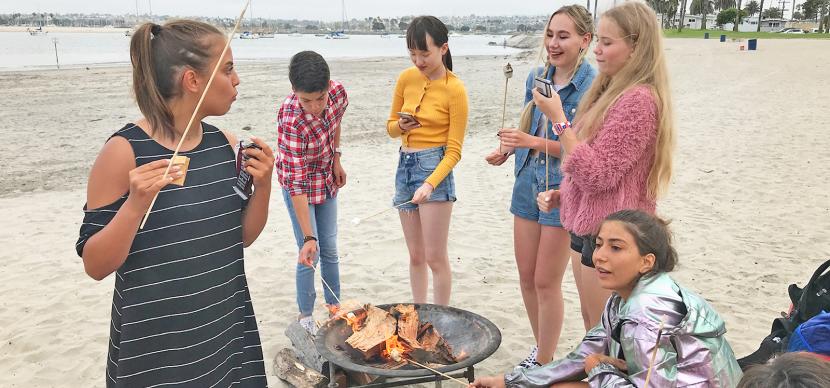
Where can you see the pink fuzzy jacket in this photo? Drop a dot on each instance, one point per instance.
(610, 171)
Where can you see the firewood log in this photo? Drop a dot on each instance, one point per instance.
(408, 324)
(379, 326)
(289, 368)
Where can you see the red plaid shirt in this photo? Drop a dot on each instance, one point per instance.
(306, 146)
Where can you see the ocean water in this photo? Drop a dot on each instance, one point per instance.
(23, 51)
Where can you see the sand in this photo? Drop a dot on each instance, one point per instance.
(749, 200)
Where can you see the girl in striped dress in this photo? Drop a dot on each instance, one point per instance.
(181, 310)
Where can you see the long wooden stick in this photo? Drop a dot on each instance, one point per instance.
(656, 346)
(547, 160)
(359, 220)
(435, 371)
(198, 105)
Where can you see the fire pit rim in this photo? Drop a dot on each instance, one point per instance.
(489, 327)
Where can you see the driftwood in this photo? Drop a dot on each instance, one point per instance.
(287, 366)
(307, 356)
(379, 326)
(303, 344)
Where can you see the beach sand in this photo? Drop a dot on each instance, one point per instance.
(749, 201)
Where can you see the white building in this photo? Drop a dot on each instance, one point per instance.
(695, 22)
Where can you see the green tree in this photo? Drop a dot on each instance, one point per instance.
(728, 16)
(702, 7)
(772, 13)
(751, 8)
(666, 8)
(697, 7)
(724, 4)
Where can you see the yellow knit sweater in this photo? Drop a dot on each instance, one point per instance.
(441, 108)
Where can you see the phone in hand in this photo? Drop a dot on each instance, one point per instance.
(408, 116)
(544, 86)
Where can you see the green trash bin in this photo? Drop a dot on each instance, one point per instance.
(705, 35)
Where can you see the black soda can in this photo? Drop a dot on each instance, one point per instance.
(244, 181)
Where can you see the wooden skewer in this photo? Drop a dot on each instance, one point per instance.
(334, 294)
(359, 220)
(656, 346)
(547, 160)
(435, 371)
(198, 105)
(508, 73)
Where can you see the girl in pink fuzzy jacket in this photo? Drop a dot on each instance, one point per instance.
(618, 153)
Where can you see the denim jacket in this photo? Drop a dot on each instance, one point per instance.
(692, 351)
(570, 96)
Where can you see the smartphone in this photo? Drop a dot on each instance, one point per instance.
(407, 116)
(544, 86)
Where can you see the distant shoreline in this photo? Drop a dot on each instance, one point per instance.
(50, 29)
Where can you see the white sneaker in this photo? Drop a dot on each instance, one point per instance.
(530, 361)
(308, 324)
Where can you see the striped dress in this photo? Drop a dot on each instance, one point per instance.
(181, 310)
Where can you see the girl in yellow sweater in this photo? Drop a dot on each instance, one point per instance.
(429, 114)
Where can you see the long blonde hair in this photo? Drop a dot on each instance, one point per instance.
(584, 24)
(646, 66)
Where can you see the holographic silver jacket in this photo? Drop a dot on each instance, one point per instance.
(692, 351)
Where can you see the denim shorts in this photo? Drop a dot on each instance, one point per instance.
(529, 183)
(413, 169)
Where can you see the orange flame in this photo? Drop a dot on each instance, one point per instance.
(351, 319)
(394, 349)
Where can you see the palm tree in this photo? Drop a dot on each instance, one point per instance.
(751, 8)
(760, 9)
(737, 17)
(702, 7)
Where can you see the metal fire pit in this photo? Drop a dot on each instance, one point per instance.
(464, 331)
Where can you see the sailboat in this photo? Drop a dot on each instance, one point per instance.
(342, 33)
(250, 34)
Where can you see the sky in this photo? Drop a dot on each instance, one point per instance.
(326, 10)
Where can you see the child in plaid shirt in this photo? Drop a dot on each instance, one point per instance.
(310, 173)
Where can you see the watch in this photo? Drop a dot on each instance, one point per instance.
(338, 150)
(309, 238)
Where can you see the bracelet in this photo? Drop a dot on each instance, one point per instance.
(558, 128)
(309, 238)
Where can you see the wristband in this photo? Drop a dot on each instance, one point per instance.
(558, 128)
(309, 238)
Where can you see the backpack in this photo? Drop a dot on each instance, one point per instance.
(807, 302)
(812, 336)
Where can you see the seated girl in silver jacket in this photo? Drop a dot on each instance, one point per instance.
(633, 255)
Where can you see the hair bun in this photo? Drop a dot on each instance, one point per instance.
(155, 29)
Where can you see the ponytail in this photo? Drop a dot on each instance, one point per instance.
(448, 60)
(159, 54)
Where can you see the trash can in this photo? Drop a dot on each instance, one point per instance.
(723, 38)
(705, 35)
(752, 44)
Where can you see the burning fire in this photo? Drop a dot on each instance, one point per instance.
(394, 349)
(352, 320)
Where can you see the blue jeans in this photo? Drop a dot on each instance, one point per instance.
(324, 226)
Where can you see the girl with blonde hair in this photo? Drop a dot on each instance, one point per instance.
(618, 154)
(540, 242)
